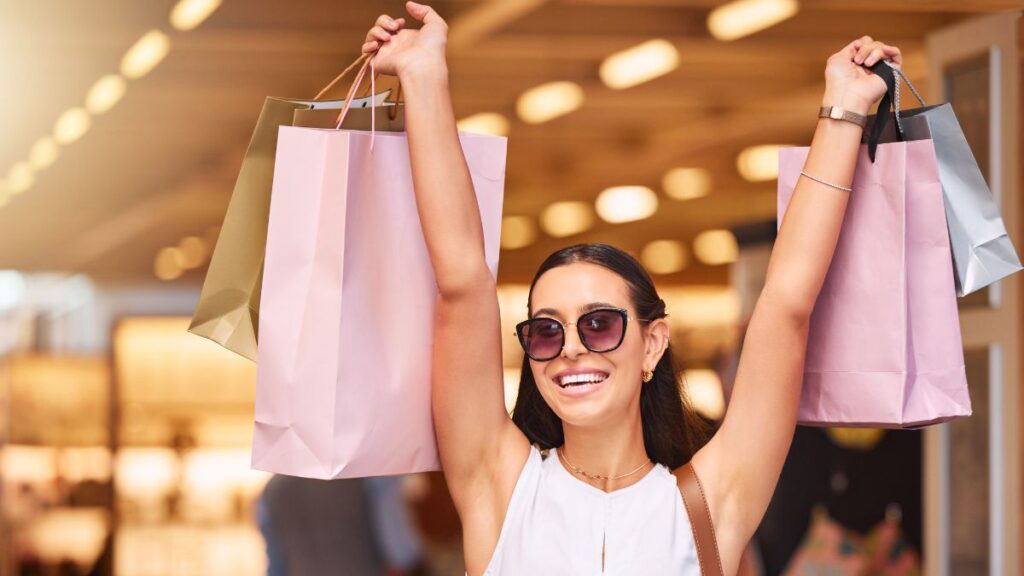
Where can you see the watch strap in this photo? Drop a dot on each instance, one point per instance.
(838, 113)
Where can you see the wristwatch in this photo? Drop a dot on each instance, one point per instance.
(838, 113)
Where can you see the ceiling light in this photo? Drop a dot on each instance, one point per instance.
(664, 256)
(20, 178)
(44, 153)
(549, 101)
(566, 218)
(485, 123)
(759, 163)
(193, 252)
(626, 204)
(704, 390)
(744, 17)
(71, 125)
(106, 92)
(686, 183)
(716, 247)
(517, 232)
(187, 14)
(145, 54)
(639, 64)
(168, 264)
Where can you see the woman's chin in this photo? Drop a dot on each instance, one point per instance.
(585, 409)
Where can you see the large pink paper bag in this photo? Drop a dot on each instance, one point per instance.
(346, 315)
(884, 346)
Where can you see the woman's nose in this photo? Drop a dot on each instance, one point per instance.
(573, 345)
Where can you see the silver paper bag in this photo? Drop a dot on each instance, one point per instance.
(982, 251)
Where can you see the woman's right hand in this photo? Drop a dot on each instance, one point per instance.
(849, 81)
(395, 48)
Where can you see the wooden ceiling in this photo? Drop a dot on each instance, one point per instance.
(161, 164)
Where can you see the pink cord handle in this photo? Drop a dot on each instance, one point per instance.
(340, 76)
(373, 103)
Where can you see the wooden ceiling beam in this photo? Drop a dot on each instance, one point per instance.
(915, 5)
(559, 20)
(562, 20)
(835, 5)
(273, 41)
(512, 47)
(488, 18)
(466, 29)
(526, 73)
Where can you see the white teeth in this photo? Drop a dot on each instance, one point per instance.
(581, 379)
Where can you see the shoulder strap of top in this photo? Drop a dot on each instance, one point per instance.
(700, 519)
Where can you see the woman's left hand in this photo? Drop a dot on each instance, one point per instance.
(395, 48)
(847, 77)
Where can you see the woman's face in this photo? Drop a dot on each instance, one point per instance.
(566, 292)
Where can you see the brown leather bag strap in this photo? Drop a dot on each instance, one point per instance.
(700, 519)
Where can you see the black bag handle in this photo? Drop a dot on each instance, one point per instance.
(891, 76)
(882, 114)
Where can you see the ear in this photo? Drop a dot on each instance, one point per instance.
(655, 342)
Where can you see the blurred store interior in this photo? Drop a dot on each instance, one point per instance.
(653, 125)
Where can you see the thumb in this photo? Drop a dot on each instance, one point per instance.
(422, 12)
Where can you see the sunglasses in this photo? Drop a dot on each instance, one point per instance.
(600, 330)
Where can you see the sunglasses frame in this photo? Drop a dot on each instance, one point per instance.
(579, 331)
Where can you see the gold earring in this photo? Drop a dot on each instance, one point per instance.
(647, 376)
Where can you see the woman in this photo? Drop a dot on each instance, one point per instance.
(598, 386)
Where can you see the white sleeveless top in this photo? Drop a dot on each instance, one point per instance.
(556, 524)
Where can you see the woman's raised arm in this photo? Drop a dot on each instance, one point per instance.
(741, 465)
(474, 432)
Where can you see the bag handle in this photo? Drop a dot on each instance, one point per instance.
(891, 76)
(392, 111)
(367, 63)
(700, 520)
(339, 77)
(363, 59)
(355, 87)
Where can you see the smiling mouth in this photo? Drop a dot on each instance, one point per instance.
(571, 380)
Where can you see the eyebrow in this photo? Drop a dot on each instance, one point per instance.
(582, 310)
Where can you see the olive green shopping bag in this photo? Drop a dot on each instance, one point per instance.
(228, 307)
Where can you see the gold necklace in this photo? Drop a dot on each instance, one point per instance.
(586, 474)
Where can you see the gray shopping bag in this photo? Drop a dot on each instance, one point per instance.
(982, 251)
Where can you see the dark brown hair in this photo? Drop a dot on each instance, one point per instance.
(672, 430)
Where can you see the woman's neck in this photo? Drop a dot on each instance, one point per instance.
(606, 450)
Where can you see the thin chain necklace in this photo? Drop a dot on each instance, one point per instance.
(586, 474)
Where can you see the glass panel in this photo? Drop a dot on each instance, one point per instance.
(967, 87)
(59, 401)
(969, 473)
(161, 370)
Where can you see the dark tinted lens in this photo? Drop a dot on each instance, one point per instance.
(602, 330)
(542, 338)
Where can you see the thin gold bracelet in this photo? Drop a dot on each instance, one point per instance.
(820, 181)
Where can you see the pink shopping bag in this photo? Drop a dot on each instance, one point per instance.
(884, 347)
(346, 314)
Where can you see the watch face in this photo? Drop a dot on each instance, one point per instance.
(837, 113)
